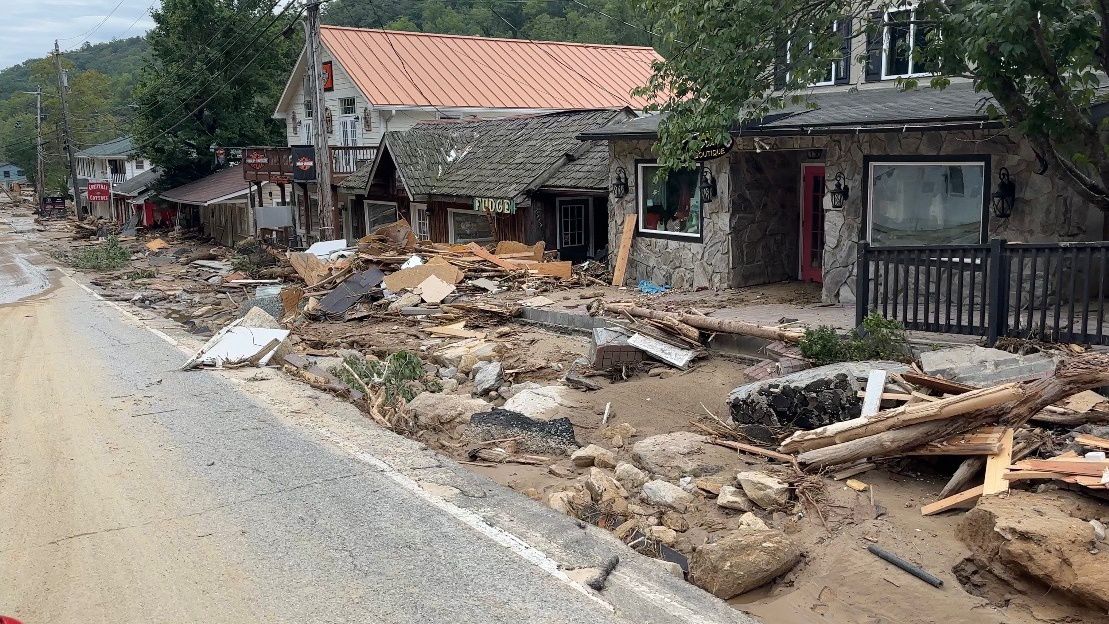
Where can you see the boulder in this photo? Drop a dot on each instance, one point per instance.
(734, 498)
(672, 454)
(465, 354)
(431, 409)
(539, 436)
(764, 490)
(562, 471)
(676, 521)
(542, 402)
(569, 500)
(629, 476)
(593, 455)
(752, 522)
(742, 561)
(666, 494)
(487, 377)
(602, 486)
(1044, 536)
(666, 535)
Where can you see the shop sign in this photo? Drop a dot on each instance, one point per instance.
(304, 163)
(257, 159)
(715, 150)
(488, 204)
(99, 191)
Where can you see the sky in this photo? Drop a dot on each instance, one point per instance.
(31, 26)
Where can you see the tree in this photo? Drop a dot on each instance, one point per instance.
(216, 71)
(1039, 59)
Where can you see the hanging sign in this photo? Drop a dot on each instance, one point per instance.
(503, 206)
(715, 150)
(100, 191)
(304, 163)
(256, 159)
(328, 76)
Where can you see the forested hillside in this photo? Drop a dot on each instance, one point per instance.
(590, 21)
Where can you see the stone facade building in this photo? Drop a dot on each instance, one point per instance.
(919, 168)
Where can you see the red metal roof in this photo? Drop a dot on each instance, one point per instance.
(481, 72)
(221, 184)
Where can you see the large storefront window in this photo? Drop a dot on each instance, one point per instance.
(926, 203)
(669, 205)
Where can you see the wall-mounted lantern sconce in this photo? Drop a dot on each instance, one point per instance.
(1005, 196)
(707, 185)
(840, 192)
(620, 183)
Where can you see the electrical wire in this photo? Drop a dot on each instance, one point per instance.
(94, 28)
(400, 59)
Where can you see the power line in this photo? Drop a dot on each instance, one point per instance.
(400, 59)
(243, 68)
(141, 15)
(94, 28)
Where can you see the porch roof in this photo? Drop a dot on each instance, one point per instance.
(222, 185)
(833, 112)
(139, 183)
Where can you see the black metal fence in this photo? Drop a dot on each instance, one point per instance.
(1047, 291)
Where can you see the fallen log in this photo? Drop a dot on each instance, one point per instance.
(708, 323)
(1073, 375)
(902, 416)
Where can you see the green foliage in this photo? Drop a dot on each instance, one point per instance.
(400, 375)
(587, 22)
(197, 92)
(1040, 59)
(877, 339)
(107, 256)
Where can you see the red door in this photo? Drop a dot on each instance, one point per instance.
(812, 222)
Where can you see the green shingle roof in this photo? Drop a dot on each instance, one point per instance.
(121, 147)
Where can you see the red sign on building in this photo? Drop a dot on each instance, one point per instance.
(256, 159)
(100, 191)
(328, 76)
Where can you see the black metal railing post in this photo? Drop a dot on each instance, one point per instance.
(998, 279)
(862, 284)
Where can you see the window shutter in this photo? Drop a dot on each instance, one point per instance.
(843, 74)
(874, 47)
(780, 65)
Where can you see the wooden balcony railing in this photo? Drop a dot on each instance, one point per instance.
(274, 164)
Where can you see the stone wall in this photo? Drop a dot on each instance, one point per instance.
(1047, 209)
(679, 263)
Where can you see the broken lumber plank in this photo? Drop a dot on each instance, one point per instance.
(482, 253)
(1092, 441)
(996, 466)
(624, 250)
(982, 441)
(962, 499)
(938, 384)
(563, 269)
(755, 450)
(887, 396)
(708, 323)
(1022, 475)
(1076, 466)
(454, 330)
(872, 397)
(852, 471)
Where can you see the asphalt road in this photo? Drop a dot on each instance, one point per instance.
(134, 492)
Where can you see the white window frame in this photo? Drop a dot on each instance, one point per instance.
(985, 164)
(421, 222)
(139, 164)
(911, 8)
(353, 106)
(450, 227)
(640, 205)
(821, 83)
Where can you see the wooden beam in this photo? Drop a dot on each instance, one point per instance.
(620, 270)
(1088, 468)
(756, 450)
(936, 383)
(1092, 441)
(481, 252)
(996, 466)
(956, 501)
(872, 397)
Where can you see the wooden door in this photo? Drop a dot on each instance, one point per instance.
(812, 223)
(574, 231)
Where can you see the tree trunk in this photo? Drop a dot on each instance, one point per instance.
(1073, 375)
(708, 323)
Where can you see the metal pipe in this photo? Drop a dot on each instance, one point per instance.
(905, 565)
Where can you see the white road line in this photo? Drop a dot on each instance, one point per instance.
(469, 518)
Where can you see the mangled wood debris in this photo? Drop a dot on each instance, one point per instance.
(705, 323)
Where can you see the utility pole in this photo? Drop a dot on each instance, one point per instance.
(67, 138)
(40, 184)
(329, 218)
